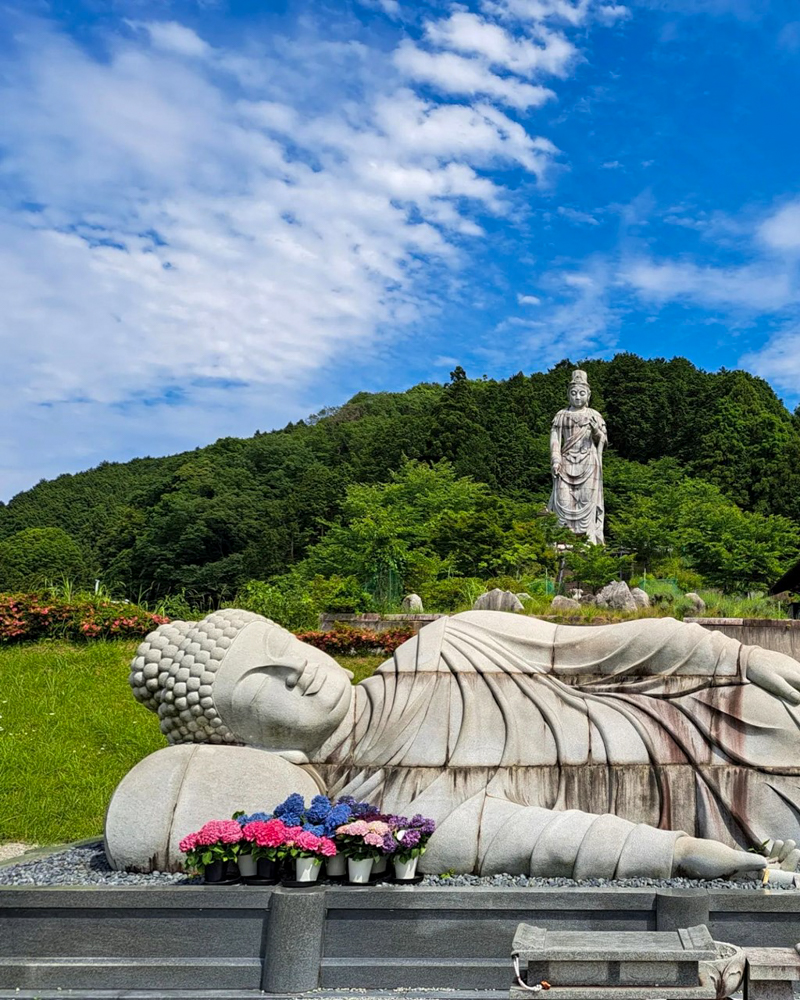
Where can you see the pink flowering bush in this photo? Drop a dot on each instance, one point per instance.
(30, 617)
(217, 840)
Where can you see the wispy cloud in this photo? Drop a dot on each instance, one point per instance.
(195, 233)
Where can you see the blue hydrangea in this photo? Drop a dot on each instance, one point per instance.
(319, 809)
(262, 816)
(338, 816)
(292, 819)
(317, 829)
(295, 805)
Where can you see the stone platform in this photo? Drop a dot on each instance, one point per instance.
(240, 940)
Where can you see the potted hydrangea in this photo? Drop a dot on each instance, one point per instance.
(248, 858)
(267, 839)
(214, 849)
(361, 842)
(308, 851)
(411, 838)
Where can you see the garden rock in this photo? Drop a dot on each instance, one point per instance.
(561, 603)
(616, 595)
(524, 596)
(413, 604)
(498, 600)
(641, 597)
(696, 600)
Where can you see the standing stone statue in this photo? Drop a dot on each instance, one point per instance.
(576, 456)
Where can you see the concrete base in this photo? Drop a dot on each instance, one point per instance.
(236, 941)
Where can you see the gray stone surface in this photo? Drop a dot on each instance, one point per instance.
(176, 790)
(517, 735)
(577, 440)
(641, 597)
(697, 601)
(498, 600)
(296, 933)
(562, 604)
(616, 595)
(524, 596)
(413, 604)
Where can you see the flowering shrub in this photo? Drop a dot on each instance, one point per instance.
(217, 840)
(29, 617)
(345, 640)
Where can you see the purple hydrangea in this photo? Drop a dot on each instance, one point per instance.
(389, 843)
(424, 825)
(411, 838)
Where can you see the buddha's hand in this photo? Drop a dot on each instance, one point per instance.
(782, 854)
(776, 673)
(557, 467)
(707, 859)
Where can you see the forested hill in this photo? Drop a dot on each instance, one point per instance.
(209, 519)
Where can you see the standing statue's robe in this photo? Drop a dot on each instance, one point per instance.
(577, 497)
(569, 750)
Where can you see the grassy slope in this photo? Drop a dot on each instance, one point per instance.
(69, 731)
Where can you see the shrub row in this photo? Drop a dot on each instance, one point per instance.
(28, 617)
(347, 641)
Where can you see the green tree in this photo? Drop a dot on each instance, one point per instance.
(33, 557)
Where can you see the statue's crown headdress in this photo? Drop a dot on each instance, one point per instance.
(579, 377)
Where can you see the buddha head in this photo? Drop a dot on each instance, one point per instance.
(237, 677)
(579, 391)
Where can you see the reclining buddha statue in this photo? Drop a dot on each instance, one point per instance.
(647, 748)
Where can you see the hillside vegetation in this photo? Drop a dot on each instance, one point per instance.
(438, 489)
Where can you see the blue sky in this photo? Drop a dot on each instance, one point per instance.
(220, 215)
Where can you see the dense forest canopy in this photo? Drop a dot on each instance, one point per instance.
(440, 481)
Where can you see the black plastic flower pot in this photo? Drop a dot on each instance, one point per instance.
(217, 871)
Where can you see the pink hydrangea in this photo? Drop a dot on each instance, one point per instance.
(379, 827)
(357, 829)
(226, 831)
(269, 833)
(188, 843)
(307, 841)
(327, 848)
(292, 833)
(373, 839)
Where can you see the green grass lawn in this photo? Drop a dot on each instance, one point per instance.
(70, 730)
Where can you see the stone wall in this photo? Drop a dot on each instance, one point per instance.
(375, 622)
(780, 634)
(100, 942)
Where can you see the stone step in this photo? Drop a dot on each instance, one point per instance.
(37, 974)
(426, 973)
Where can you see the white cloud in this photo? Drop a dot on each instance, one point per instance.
(173, 37)
(579, 218)
(781, 231)
(528, 300)
(204, 235)
(752, 286)
(779, 360)
(453, 74)
(467, 32)
(540, 11)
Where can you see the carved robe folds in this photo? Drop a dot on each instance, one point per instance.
(488, 722)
